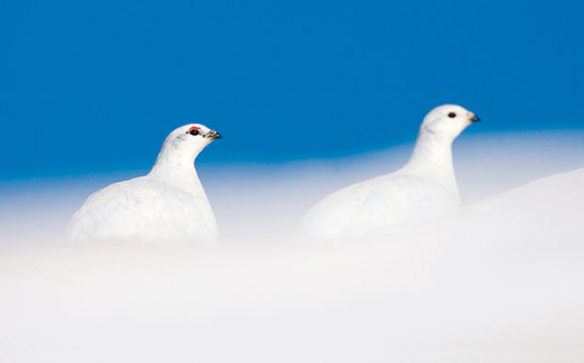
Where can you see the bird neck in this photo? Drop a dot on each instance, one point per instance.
(177, 166)
(432, 155)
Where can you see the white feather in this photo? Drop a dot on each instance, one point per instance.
(425, 188)
(167, 204)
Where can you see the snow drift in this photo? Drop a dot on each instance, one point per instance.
(500, 283)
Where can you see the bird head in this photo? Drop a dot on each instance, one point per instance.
(447, 121)
(190, 139)
(200, 133)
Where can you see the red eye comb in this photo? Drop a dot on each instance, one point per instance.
(194, 128)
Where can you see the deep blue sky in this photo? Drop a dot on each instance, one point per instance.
(92, 86)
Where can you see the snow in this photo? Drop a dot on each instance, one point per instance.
(501, 283)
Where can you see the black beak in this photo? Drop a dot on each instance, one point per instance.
(215, 135)
(475, 118)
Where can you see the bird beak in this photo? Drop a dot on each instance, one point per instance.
(474, 118)
(214, 135)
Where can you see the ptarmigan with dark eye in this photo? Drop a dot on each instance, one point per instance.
(425, 188)
(168, 204)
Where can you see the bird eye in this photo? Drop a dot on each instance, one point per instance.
(452, 115)
(194, 132)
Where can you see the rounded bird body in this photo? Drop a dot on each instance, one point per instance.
(167, 204)
(424, 189)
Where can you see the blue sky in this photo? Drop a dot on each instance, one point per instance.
(96, 86)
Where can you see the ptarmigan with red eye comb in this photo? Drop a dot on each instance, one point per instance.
(425, 188)
(168, 204)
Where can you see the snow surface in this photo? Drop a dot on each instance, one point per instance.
(501, 283)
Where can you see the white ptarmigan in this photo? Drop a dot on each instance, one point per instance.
(423, 189)
(168, 204)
